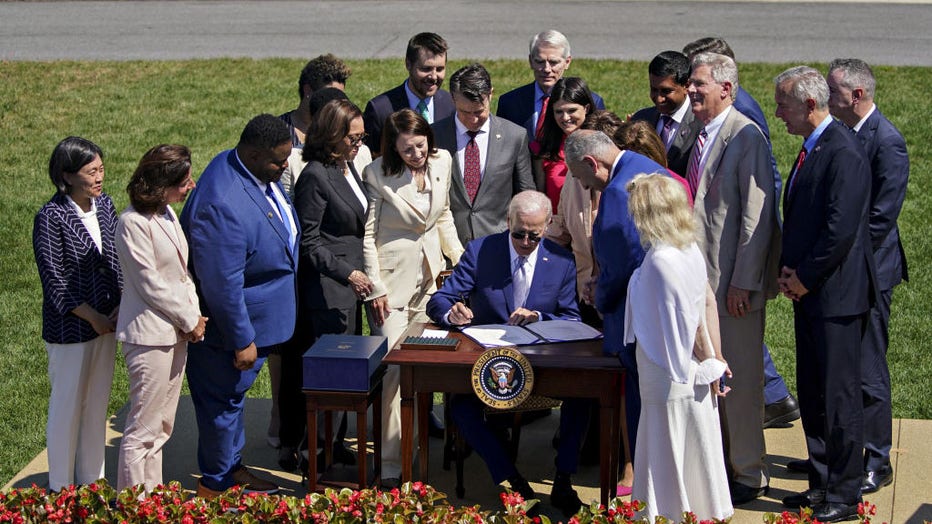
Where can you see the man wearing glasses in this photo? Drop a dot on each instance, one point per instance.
(538, 282)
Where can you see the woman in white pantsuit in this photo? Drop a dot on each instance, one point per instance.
(408, 232)
(678, 463)
(160, 312)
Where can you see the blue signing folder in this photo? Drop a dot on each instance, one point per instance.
(343, 362)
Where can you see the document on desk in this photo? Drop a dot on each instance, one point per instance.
(496, 335)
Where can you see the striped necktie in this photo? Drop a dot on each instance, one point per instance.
(693, 173)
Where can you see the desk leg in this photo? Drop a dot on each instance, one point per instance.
(376, 434)
(361, 443)
(312, 447)
(424, 402)
(328, 439)
(407, 423)
(609, 446)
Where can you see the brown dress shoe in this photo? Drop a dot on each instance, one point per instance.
(253, 484)
(206, 493)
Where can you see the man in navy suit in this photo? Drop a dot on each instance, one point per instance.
(851, 87)
(242, 233)
(593, 158)
(827, 269)
(426, 62)
(668, 74)
(780, 407)
(515, 277)
(549, 57)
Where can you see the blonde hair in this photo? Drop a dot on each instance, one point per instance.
(657, 203)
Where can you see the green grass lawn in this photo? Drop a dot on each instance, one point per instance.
(127, 107)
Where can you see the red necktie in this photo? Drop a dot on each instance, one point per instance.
(800, 158)
(471, 169)
(539, 130)
(692, 172)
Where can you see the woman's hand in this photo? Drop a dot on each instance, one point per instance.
(197, 334)
(380, 309)
(719, 389)
(101, 323)
(360, 283)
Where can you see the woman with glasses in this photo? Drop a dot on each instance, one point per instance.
(331, 203)
(73, 242)
(159, 310)
(409, 230)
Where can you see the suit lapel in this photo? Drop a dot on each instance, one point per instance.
(509, 289)
(80, 234)
(342, 188)
(258, 198)
(496, 143)
(176, 238)
(715, 154)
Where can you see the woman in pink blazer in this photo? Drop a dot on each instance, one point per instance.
(161, 313)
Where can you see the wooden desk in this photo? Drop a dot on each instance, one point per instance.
(568, 369)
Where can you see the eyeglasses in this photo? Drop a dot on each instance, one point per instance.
(355, 140)
(521, 235)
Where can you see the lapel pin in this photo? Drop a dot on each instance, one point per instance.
(498, 136)
(270, 214)
(546, 259)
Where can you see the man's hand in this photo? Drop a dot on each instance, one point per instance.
(588, 292)
(522, 316)
(244, 359)
(719, 388)
(360, 283)
(738, 302)
(460, 315)
(790, 285)
(380, 309)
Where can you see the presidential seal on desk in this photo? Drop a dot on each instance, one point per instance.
(502, 377)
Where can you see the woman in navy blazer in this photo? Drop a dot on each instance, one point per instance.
(73, 242)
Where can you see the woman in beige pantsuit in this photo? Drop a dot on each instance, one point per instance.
(160, 312)
(408, 232)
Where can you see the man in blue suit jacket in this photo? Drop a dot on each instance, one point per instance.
(426, 62)
(827, 269)
(593, 158)
(487, 279)
(851, 99)
(549, 57)
(242, 233)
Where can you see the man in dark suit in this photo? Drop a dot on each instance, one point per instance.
(593, 158)
(549, 57)
(827, 269)
(851, 87)
(780, 407)
(426, 62)
(740, 240)
(491, 162)
(242, 233)
(518, 278)
(671, 115)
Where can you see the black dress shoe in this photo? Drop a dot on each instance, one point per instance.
(807, 499)
(874, 480)
(742, 494)
(288, 458)
(799, 466)
(563, 496)
(341, 455)
(835, 512)
(780, 414)
(520, 486)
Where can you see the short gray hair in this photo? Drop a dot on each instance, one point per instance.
(528, 202)
(550, 37)
(587, 142)
(855, 74)
(722, 68)
(807, 83)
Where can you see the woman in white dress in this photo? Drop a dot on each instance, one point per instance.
(679, 465)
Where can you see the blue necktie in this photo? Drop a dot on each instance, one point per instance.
(281, 215)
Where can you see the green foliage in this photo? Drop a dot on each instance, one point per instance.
(127, 107)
